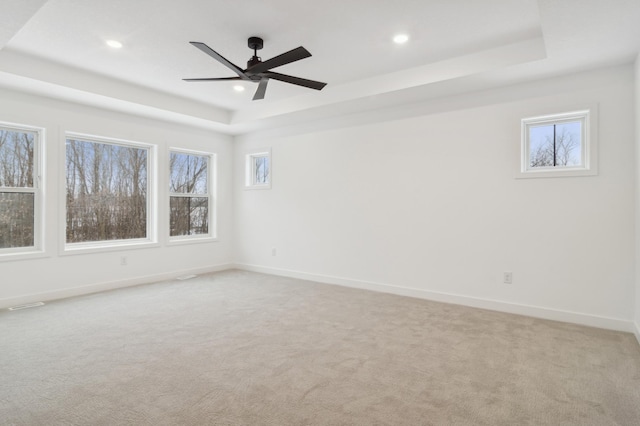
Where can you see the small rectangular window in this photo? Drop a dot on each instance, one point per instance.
(20, 189)
(190, 194)
(557, 145)
(258, 170)
(107, 192)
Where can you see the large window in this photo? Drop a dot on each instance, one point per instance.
(190, 198)
(558, 145)
(107, 191)
(20, 189)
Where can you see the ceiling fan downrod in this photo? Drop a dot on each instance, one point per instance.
(256, 44)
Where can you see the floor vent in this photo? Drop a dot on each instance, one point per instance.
(28, 305)
(186, 277)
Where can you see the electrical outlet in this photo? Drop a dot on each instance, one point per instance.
(123, 261)
(273, 251)
(508, 278)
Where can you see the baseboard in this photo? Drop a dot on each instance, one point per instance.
(637, 331)
(107, 285)
(494, 305)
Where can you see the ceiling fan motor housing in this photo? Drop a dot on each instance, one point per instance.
(253, 61)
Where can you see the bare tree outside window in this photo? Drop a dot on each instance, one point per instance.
(189, 194)
(261, 169)
(555, 145)
(106, 191)
(17, 193)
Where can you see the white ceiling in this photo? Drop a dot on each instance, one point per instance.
(57, 48)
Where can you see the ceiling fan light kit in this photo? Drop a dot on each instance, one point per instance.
(258, 71)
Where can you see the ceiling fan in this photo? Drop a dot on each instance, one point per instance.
(258, 71)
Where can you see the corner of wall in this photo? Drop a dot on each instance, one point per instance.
(637, 204)
(234, 197)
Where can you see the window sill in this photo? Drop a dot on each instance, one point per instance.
(176, 241)
(249, 187)
(106, 246)
(551, 173)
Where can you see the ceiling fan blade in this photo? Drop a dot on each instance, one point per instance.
(286, 58)
(311, 84)
(213, 79)
(262, 88)
(218, 57)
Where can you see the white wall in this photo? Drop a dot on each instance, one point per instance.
(62, 275)
(424, 205)
(428, 205)
(637, 212)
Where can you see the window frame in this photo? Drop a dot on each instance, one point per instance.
(38, 189)
(212, 168)
(588, 145)
(151, 240)
(250, 157)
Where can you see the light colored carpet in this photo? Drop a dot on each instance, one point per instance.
(239, 348)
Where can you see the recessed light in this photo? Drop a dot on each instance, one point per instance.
(114, 43)
(400, 38)
(238, 88)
